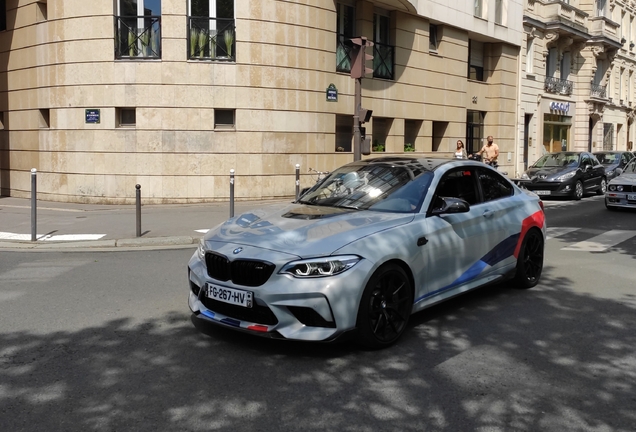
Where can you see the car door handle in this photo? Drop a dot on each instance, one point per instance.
(488, 213)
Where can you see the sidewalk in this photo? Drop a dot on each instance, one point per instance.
(96, 226)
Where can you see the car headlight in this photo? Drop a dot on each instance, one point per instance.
(525, 176)
(201, 250)
(619, 188)
(612, 187)
(567, 176)
(320, 267)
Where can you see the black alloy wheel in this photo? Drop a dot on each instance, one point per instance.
(385, 307)
(578, 190)
(603, 187)
(530, 260)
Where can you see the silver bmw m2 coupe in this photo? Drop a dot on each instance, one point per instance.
(372, 243)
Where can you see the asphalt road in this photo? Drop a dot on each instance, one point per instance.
(104, 342)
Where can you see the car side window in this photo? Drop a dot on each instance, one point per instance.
(458, 184)
(585, 160)
(624, 159)
(493, 185)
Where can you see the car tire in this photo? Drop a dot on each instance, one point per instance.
(578, 190)
(385, 307)
(530, 260)
(602, 188)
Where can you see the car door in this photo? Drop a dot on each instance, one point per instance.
(591, 176)
(455, 242)
(503, 213)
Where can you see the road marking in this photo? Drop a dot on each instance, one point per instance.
(552, 203)
(553, 232)
(47, 237)
(602, 242)
(202, 231)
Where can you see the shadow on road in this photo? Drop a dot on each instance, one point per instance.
(494, 359)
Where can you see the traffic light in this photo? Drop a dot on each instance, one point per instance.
(359, 56)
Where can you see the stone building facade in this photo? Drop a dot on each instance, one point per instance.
(99, 96)
(578, 72)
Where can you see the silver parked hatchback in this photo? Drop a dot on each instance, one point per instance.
(374, 242)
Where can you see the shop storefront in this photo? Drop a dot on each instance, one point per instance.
(557, 126)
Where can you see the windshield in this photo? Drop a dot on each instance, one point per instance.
(607, 158)
(381, 187)
(557, 160)
(630, 168)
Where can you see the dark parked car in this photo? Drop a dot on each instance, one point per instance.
(566, 174)
(613, 161)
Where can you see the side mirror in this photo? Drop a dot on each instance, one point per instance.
(450, 205)
(619, 171)
(587, 168)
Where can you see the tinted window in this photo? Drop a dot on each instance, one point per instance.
(493, 185)
(624, 158)
(585, 160)
(458, 184)
(631, 167)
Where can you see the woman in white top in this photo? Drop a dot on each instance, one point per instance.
(460, 153)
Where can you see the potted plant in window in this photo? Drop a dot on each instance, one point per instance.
(377, 146)
(194, 40)
(229, 41)
(213, 36)
(202, 43)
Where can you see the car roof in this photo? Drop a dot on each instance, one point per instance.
(422, 163)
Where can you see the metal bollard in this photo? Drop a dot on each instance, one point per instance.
(138, 208)
(232, 193)
(34, 209)
(297, 180)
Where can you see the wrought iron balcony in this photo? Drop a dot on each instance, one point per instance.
(598, 91)
(383, 60)
(343, 54)
(556, 85)
(138, 37)
(211, 39)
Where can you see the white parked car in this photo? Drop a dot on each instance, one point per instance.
(621, 190)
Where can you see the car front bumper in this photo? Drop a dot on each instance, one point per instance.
(308, 309)
(620, 199)
(549, 189)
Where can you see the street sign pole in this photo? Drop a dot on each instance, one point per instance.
(357, 138)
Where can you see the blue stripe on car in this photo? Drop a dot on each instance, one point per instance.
(503, 250)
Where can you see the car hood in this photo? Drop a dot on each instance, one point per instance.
(538, 173)
(609, 167)
(624, 179)
(304, 230)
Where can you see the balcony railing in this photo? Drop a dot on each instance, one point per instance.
(383, 60)
(560, 86)
(138, 37)
(598, 91)
(211, 39)
(343, 54)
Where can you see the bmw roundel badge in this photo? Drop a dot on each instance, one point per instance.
(238, 250)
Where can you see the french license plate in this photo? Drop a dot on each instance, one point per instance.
(230, 295)
(631, 197)
(542, 192)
